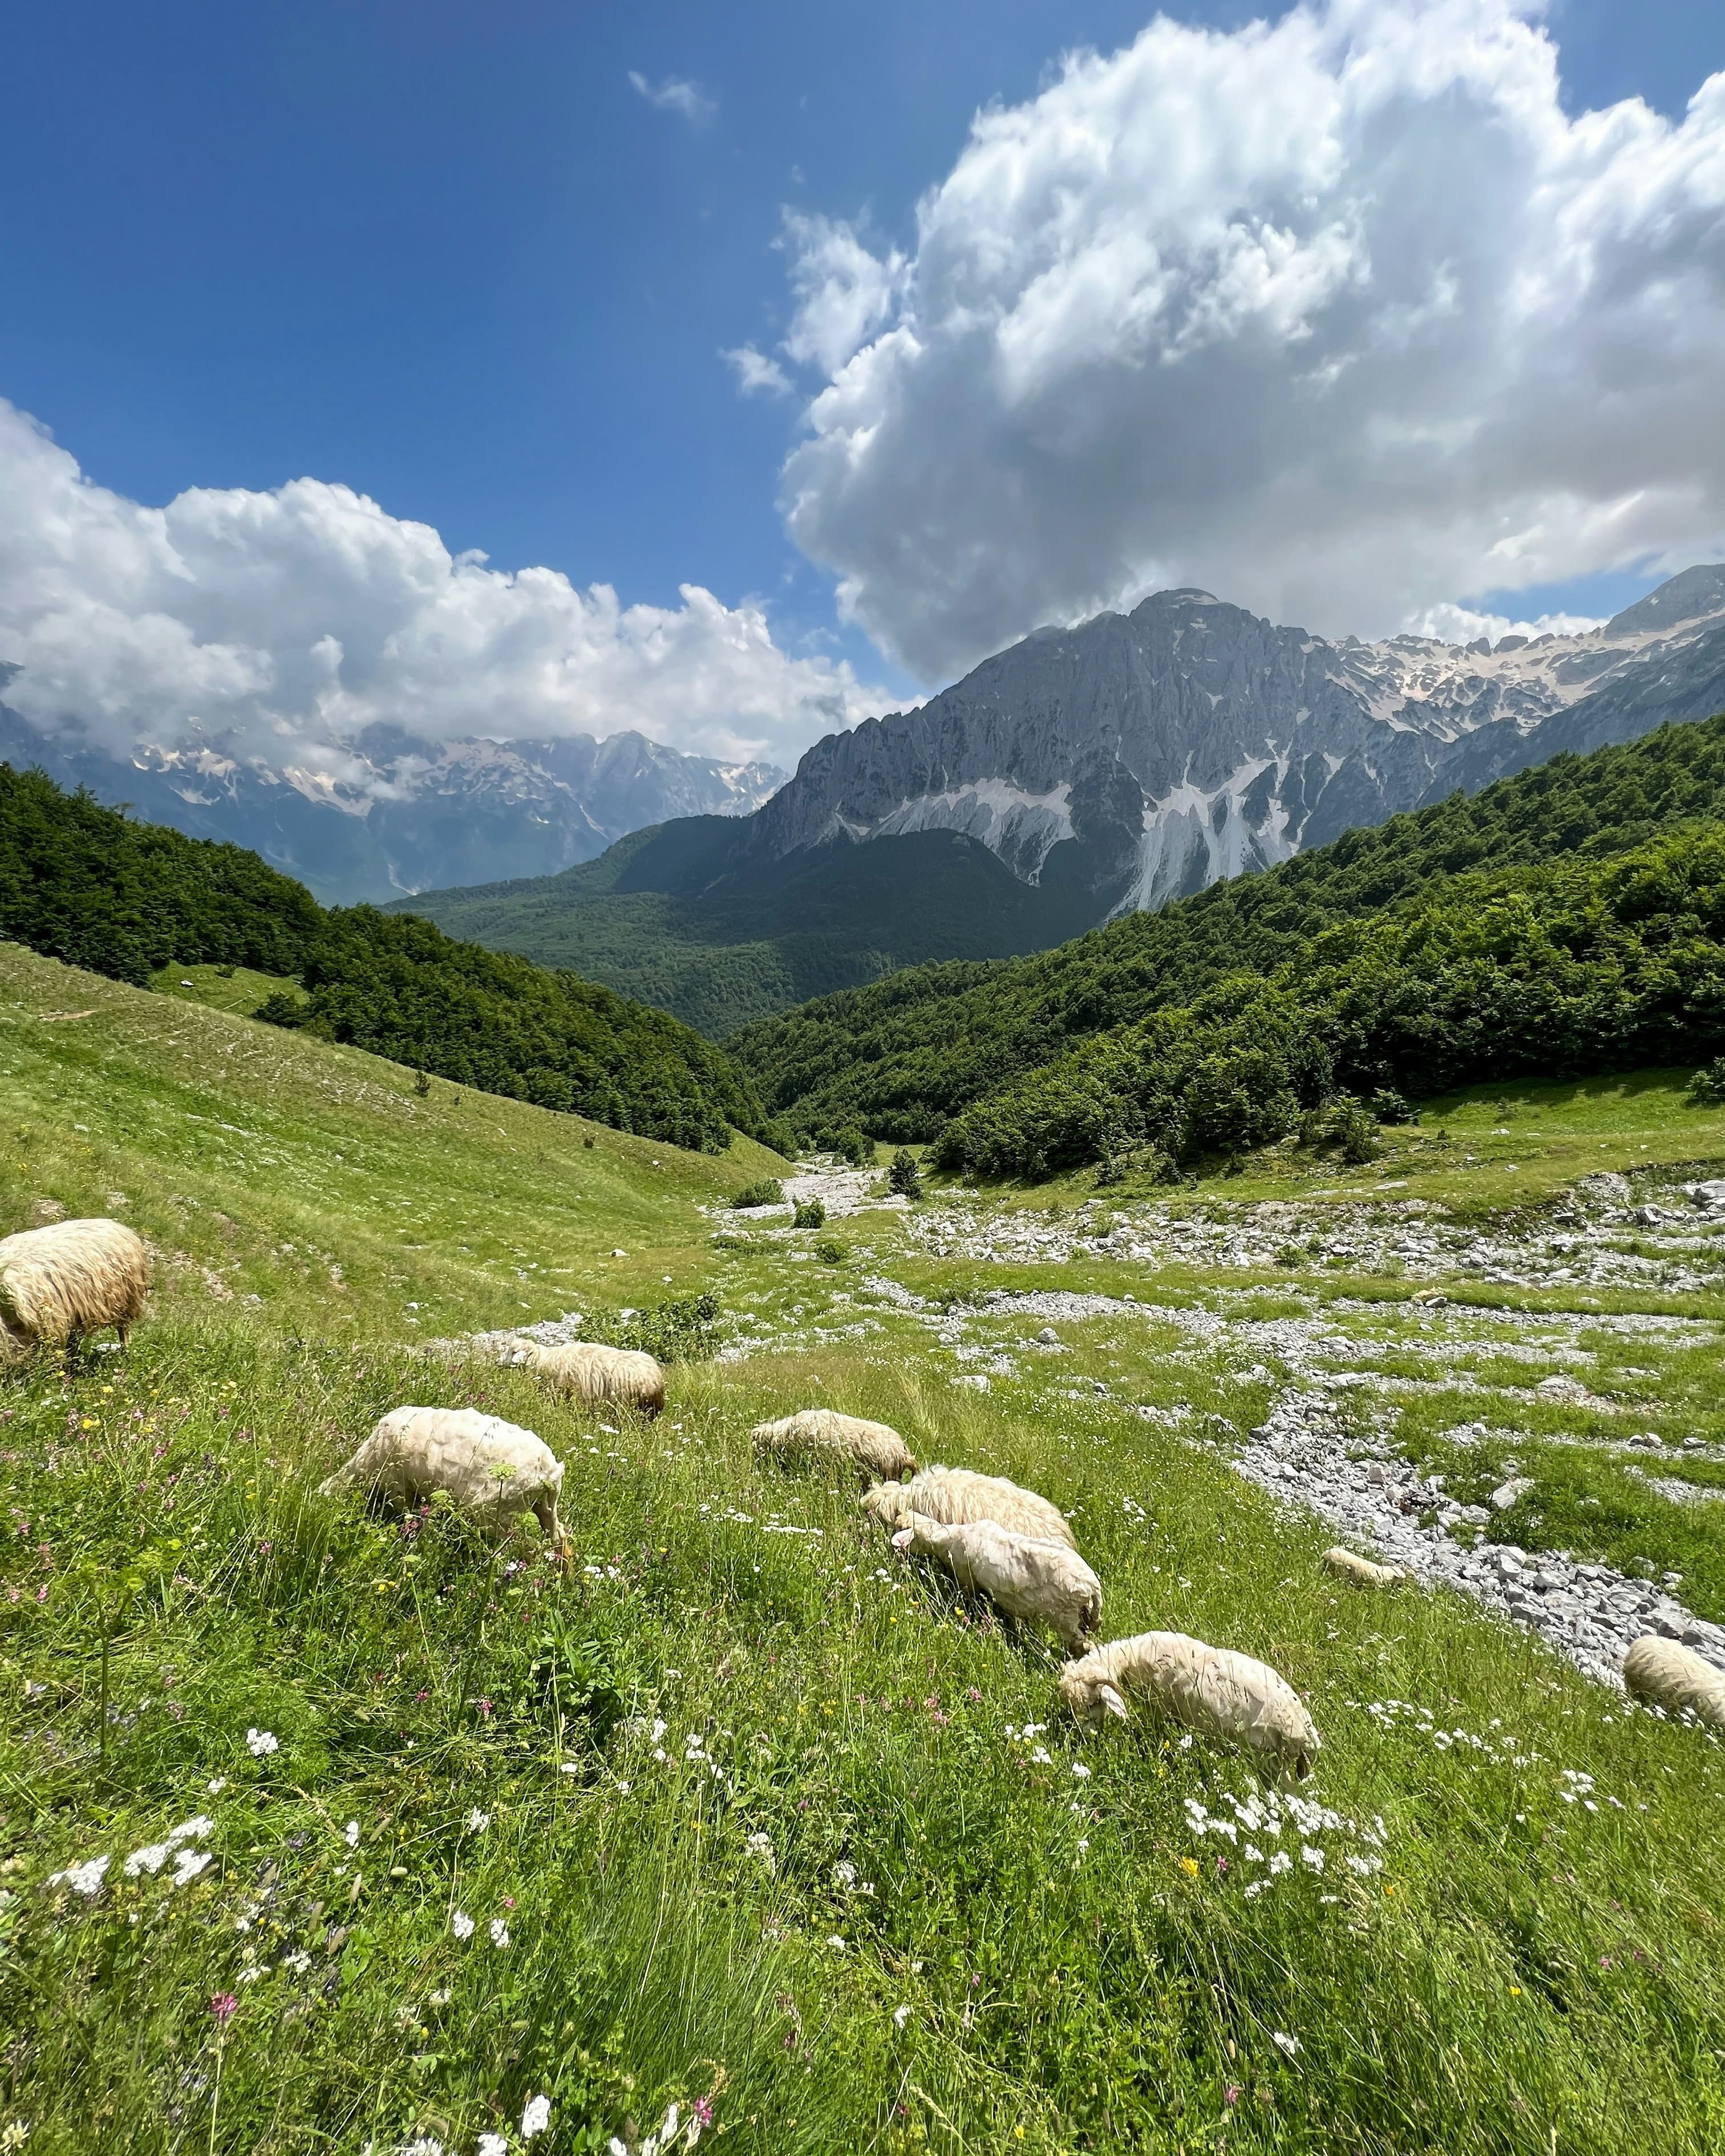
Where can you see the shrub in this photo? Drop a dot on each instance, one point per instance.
(768, 1191)
(852, 1145)
(1706, 1088)
(812, 1215)
(1353, 1129)
(830, 1253)
(1388, 1106)
(904, 1178)
(680, 1330)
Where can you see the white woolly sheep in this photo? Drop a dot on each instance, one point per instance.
(74, 1276)
(1211, 1689)
(955, 1495)
(595, 1374)
(1673, 1676)
(822, 1433)
(490, 1470)
(1038, 1583)
(1361, 1570)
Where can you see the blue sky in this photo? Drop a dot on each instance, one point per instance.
(443, 251)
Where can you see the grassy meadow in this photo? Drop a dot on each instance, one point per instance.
(725, 1806)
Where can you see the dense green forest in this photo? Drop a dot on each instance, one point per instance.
(663, 916)
(903, 1057)
(82, 883)
(1569, 968)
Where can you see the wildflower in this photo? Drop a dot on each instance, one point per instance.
(1283, 2042)
(299, 1961)
(350, 1834)
(224, 2006)
(260, 1743)
(15, 2135)
(761, 1845)
(85, 1878)
(1281, 1861)
(484, 1709)
(535, 2118)
(1080, 1772)
(191, 1829)
(477, 1821)
(150, 1859)
(461, 1925)
(500, 1933)
(442, 1996)
(1230, 2095)
(492, 2144)
(426, 2145)
(187, 1864)
(1313, 1857)
(216, 1787)
(844, 1877)
(1189, 1866)
(836, 1944)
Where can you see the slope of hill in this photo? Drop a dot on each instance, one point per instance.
(324, 1829)
(1110, 767)
(661, 917)
(82, 882)
(903, 1057)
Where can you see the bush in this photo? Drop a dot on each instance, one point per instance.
(1706, 1088)
(853, 1146)
(830, 1253)
(1388, 1106)
(812, 1215)
(680, 1330)
(904, 1178)
(768, 1191)
(1353, 1129)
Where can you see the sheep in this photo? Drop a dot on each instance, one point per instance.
(490, 1470)
(1675, 1678)
(75, 1276)
(1211, 1689)
(1036, 1581)
(1361, 1570)
(822, 1433)
(593, 1373)
(956, 1495)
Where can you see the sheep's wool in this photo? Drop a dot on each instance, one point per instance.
(1667, 1674)
(74, 1276)
(490, 1470)
(956, 1495)
(874, 1448)
(1038, 1583)
(1210, 1690)
(1348, 1564)
(596, 1374)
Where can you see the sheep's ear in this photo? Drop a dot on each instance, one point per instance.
(903, 1538)
(1111, 1701)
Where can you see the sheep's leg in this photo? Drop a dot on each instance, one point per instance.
(544, 1511)
(123, 1329)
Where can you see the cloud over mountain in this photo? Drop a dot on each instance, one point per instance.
(281, 624)
(1344, 316)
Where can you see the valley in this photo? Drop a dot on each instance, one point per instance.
(735, 1809)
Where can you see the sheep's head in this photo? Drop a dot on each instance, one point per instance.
(1091, 1698)
(884, 1502)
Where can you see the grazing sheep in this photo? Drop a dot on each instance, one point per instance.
(75, 1276)
(1211, 1689)
(1038, 1583)
(1675, 1678)
(623, 1377)
(1361, 1570)
(955, 1495)
(822, 1433)
(490, 1470)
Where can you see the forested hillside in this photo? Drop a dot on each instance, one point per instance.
(84, 884)
(904, 1056)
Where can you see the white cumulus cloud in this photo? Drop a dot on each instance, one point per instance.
(758, 375)
(281, 624)
(675, 95)
(1343, 317)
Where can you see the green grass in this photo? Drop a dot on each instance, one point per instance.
(1045, 1961)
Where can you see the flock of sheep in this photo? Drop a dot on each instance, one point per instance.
(1009, 1544)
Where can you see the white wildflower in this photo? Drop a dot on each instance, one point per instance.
(214, 1788)
(461, 1924)
(1281, 1861)
(150, 1859)
(535, 2118)
(477, 1821)
(192, 1829)
(85, 1878)
(260, 1743)
(836, 1942)
(901, 2015)
(1283, 2042)
(299, 1961)
(500, 1933)
(1313, 1857)
(844, 1877)
(187, 1864)
(491, 2144)
(1080, 1772)
(350, 1834)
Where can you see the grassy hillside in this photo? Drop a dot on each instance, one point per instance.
(663, 916)
(904, 1056)
(82, 883)
(729, 1807)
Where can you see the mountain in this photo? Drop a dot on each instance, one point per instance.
(407, 812)
(1567, 919)
(1084, 774)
